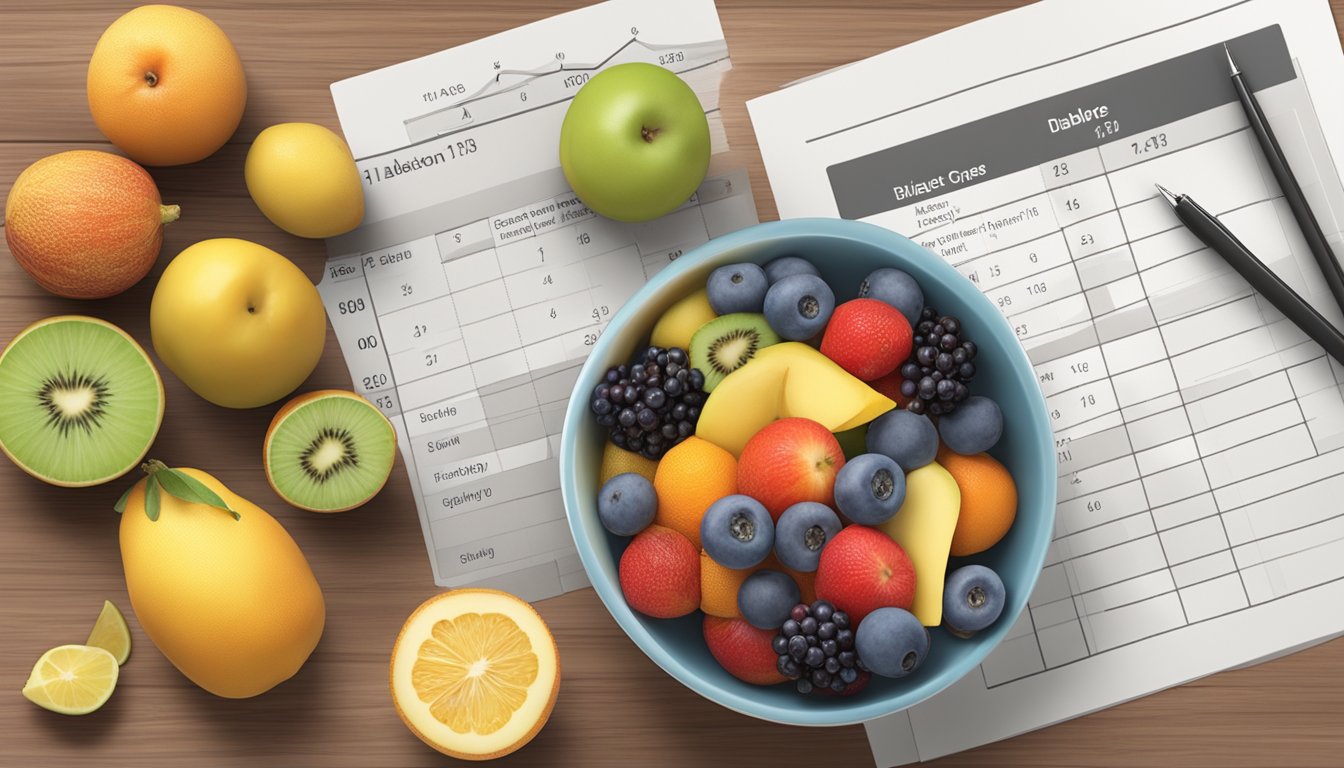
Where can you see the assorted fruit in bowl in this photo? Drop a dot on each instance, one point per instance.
(802, 471)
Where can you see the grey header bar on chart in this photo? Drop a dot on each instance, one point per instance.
(1056, 127)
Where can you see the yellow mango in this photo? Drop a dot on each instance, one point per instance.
(786, 380)
(230, 601)
(681, 320)
(923, 526)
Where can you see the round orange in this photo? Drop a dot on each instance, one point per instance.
(692, 475)
(165, 85)
(988, 500)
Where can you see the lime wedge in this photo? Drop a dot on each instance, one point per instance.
(110, 633)
(72, 679)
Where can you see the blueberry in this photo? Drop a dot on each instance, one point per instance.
(737, 288)
(799, 306)
(627, 504)
(831, 665)
(808, 626)
(910, 439)
(799, 612)
(974, 427)
(784, 266)
(803, 686)
(826, 631)
(737, 532)
(891, 642)
(780, 645)
(895, 288)
(973, 598)
(801, 532)
(766, 597)
(870, 488)
(849, 675)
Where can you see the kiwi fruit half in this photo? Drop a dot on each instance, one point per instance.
(727, 343)
(329, 451)
(80, 401)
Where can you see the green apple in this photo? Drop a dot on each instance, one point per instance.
(635, 142)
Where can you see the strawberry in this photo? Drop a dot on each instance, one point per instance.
(868, 338)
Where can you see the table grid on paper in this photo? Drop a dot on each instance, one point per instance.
(1197, 430)
(471, 340)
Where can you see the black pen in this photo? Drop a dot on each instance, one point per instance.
(1262, 278)
(1292, 192)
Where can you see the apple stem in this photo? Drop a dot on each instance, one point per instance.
(648, 134)
(152, 79)
(169, 213)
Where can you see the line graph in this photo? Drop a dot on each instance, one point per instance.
(511, 91)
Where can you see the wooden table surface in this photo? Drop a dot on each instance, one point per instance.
(58, 548)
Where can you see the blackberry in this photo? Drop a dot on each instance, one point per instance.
(652, 404)
(815, 647)
(940, 367)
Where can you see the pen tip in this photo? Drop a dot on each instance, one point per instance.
(1171, 198)
(1231, 65)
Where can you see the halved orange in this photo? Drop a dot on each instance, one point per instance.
(475, 673)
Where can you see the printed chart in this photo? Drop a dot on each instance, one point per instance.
(1199, 434)
(470, 297)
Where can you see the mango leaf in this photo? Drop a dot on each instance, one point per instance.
(188, 488)
(120, 506)
(152, 498)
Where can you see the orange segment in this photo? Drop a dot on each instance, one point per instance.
(718, 587)
(988, 500)
(692, 475)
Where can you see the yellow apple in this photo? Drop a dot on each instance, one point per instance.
(237, 322)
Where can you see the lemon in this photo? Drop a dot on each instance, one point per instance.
(303, 178)
(110, 633)
(72, 679)
(475, 673)
(618, 460)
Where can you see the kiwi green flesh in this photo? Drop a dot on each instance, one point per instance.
(331, 453)
(727, 343)
(79, 403)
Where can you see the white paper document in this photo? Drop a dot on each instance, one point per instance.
(1198, 432)
(470, 296)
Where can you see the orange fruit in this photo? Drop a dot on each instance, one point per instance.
(616, 460)
(165, 85)
(988, 500)
(475, 673)
(85, 224)
(692, 475)
(718, 587)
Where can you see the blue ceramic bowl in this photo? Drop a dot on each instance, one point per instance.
(845, 252)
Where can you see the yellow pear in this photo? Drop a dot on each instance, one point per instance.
(224, 593)
(786, 380)
(923, 527)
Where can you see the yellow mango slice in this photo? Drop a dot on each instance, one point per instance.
(923, 526)
(786, 380)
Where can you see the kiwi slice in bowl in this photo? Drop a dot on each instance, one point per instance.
(727, 343)
(80, 401)
(329, 451)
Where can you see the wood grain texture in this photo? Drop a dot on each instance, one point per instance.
(58, 548)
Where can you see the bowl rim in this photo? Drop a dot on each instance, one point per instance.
(609, 593)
